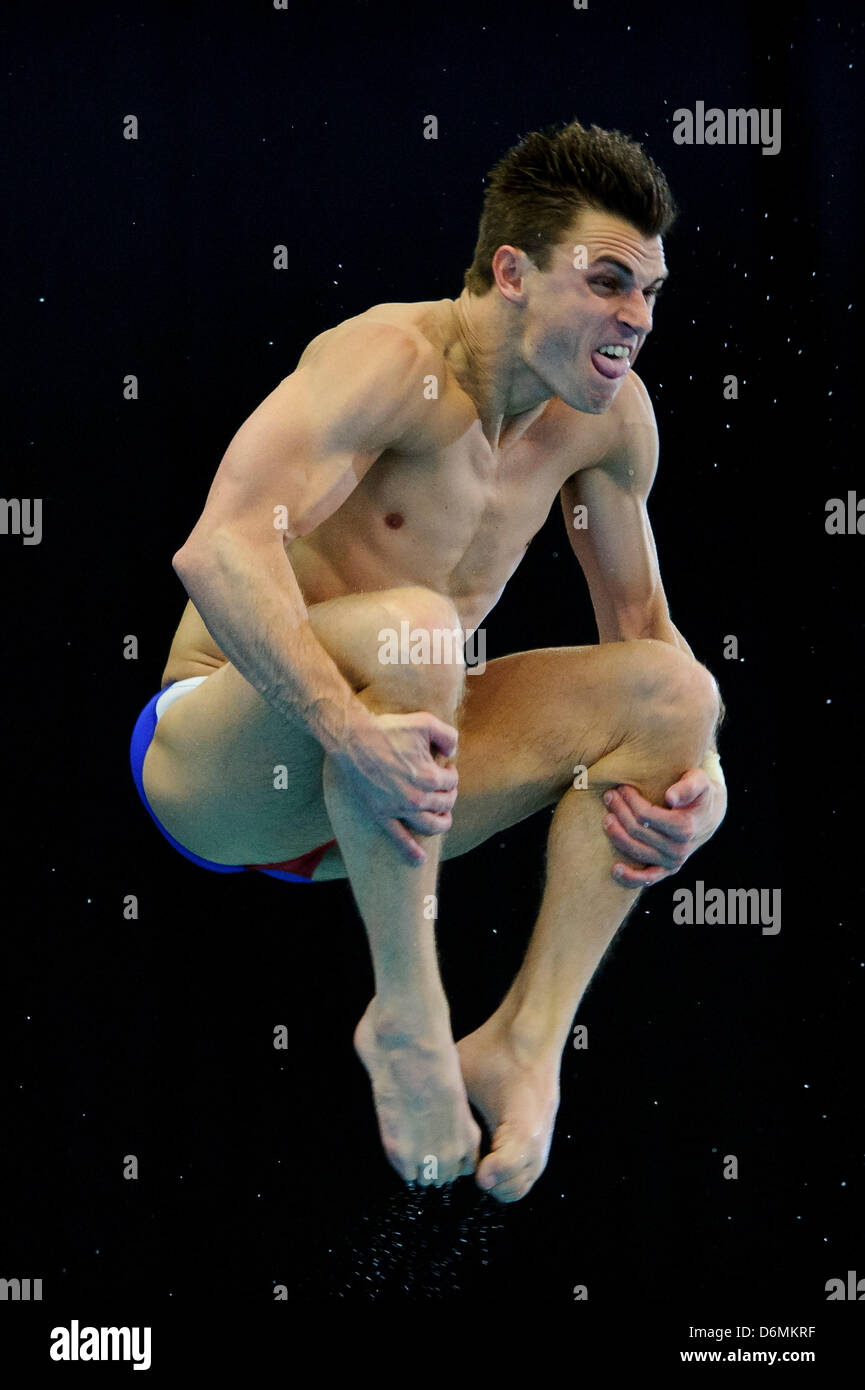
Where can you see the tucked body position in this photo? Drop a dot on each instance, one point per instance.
(392, 484)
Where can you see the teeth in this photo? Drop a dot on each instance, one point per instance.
(614, 351)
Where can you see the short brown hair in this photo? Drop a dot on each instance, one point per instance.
(537, 188)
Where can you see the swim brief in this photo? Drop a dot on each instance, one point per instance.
(298, 870)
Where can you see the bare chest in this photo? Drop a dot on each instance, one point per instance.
(457, 516)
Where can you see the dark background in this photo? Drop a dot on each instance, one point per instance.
(154, 1037)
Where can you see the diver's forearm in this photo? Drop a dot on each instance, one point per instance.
(255, 611)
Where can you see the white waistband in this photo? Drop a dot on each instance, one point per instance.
(174, 692)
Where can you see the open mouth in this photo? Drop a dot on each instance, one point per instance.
(612, 361)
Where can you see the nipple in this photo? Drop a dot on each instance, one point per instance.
(394, 520)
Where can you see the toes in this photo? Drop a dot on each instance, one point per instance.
(497, 1173)
(471, 1158)
(404, 1167)
(512, 1194)
(486, 1176)
(469, 1164)
(447, 1172)
(515, 1187)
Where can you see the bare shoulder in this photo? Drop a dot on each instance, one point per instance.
(632, 450)
(634, 402)
(384, 329)
(395, 355)
(631, 418)
(585, 439)
(611, 440)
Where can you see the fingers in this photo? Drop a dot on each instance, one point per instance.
(661, 850)
(629, 877)
(444, 779)
(428, 822)
(432, 777)
(671, 858)
(406, 843)
(424, 823)
(644, 820)
(634, 849)
(439, 801)
(689, 788)
(633, 838)
(443, 737)
(426, 815)
(422, 797)
(420, 800)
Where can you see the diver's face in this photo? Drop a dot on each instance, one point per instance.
(588, 315)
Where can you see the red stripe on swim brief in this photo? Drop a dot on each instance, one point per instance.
(304, 865)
